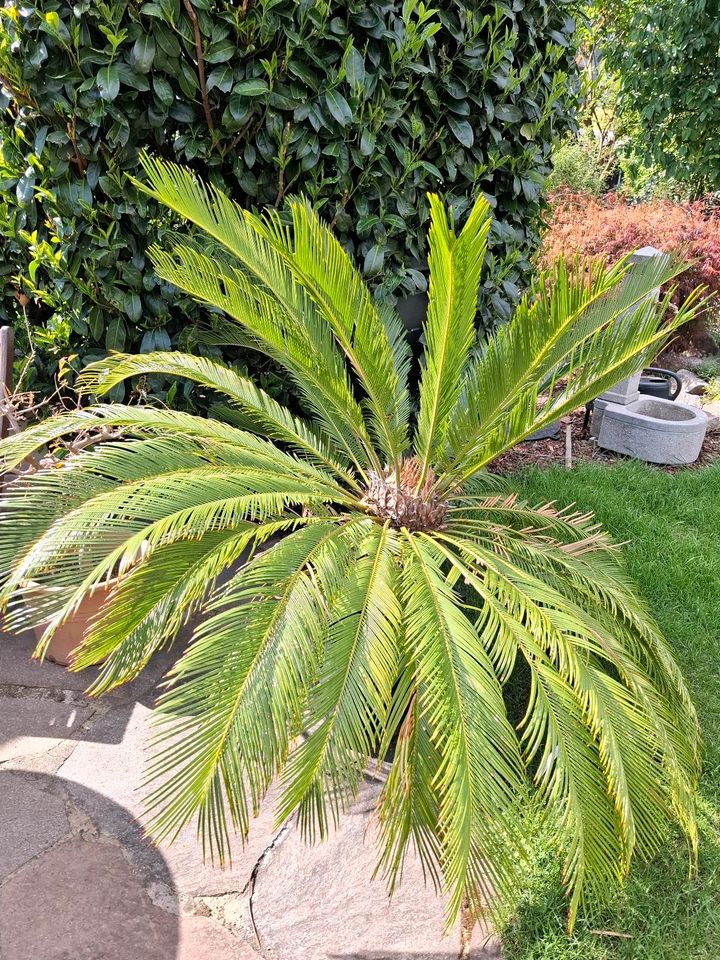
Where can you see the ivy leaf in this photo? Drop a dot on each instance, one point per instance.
(108, 81)
(461, 130)
(339, 107)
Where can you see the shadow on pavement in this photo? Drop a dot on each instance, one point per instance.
(68, 892)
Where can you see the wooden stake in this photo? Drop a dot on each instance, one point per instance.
(568, 447)
(7, 355)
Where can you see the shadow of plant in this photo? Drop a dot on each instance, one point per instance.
(69, 891)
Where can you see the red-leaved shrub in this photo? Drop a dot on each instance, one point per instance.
(610, 226)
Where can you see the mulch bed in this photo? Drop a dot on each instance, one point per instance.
(551, 452)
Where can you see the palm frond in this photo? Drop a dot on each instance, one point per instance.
(261, 293)
(350, 699)
(373, 341)
(246, 674)
(262, 413)
(455, 265)
(596, 777)
(567, 342)
(156, 598)
(480, 767)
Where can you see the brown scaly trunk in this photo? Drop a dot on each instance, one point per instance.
(396, 497)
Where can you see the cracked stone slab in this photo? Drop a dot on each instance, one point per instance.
(321, 902)
(30, 726)
(47, 762)
(116, 771)
(204, 939)
(81, 901)
(33, 821)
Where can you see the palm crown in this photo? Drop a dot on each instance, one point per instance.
(377, 593)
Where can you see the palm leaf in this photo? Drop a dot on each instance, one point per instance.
(265, 415)
(350, 698)
(480, 765)
(563, 348)
(260, 657)
(455, 264)
(373, 342)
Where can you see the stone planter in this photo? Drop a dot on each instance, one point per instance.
(654, 430)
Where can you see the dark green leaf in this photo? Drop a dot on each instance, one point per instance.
(108, 81)
(355, 67)
(462, 130)
(339, 107)
(250, 88)
(221, 77)
(143, 53)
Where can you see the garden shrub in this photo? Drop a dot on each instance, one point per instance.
(578, 166)
(666, 58)
(642, 181)
(362, 106)
(611, 226)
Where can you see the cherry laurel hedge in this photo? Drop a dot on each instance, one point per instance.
(361, 106)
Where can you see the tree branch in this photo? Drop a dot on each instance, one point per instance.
(19, 95)
(200, 63)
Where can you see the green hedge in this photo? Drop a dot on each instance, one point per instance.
(363, 106)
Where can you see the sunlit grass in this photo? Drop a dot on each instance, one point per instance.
(671, 523)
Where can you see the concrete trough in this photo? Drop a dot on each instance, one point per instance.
(652, 429)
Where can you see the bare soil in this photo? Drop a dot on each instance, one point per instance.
(551, 453)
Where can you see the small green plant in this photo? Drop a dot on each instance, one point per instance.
(577, 165)
(708, 369)
(378, 592)
(712, 391)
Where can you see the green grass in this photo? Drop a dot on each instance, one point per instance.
(671, 523)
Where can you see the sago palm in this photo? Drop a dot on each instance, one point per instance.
(359, 586)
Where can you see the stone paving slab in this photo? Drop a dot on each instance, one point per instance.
(18, 667)
(320, 901)
(35, 725)
(204, 939)
(116, 771)
(80, 901)
(33, 821)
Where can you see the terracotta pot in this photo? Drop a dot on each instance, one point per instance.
(70, 634)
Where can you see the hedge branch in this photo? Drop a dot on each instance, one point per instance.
(200, 63)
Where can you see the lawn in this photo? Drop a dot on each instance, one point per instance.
(672, 527)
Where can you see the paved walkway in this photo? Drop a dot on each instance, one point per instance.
(79, 882)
